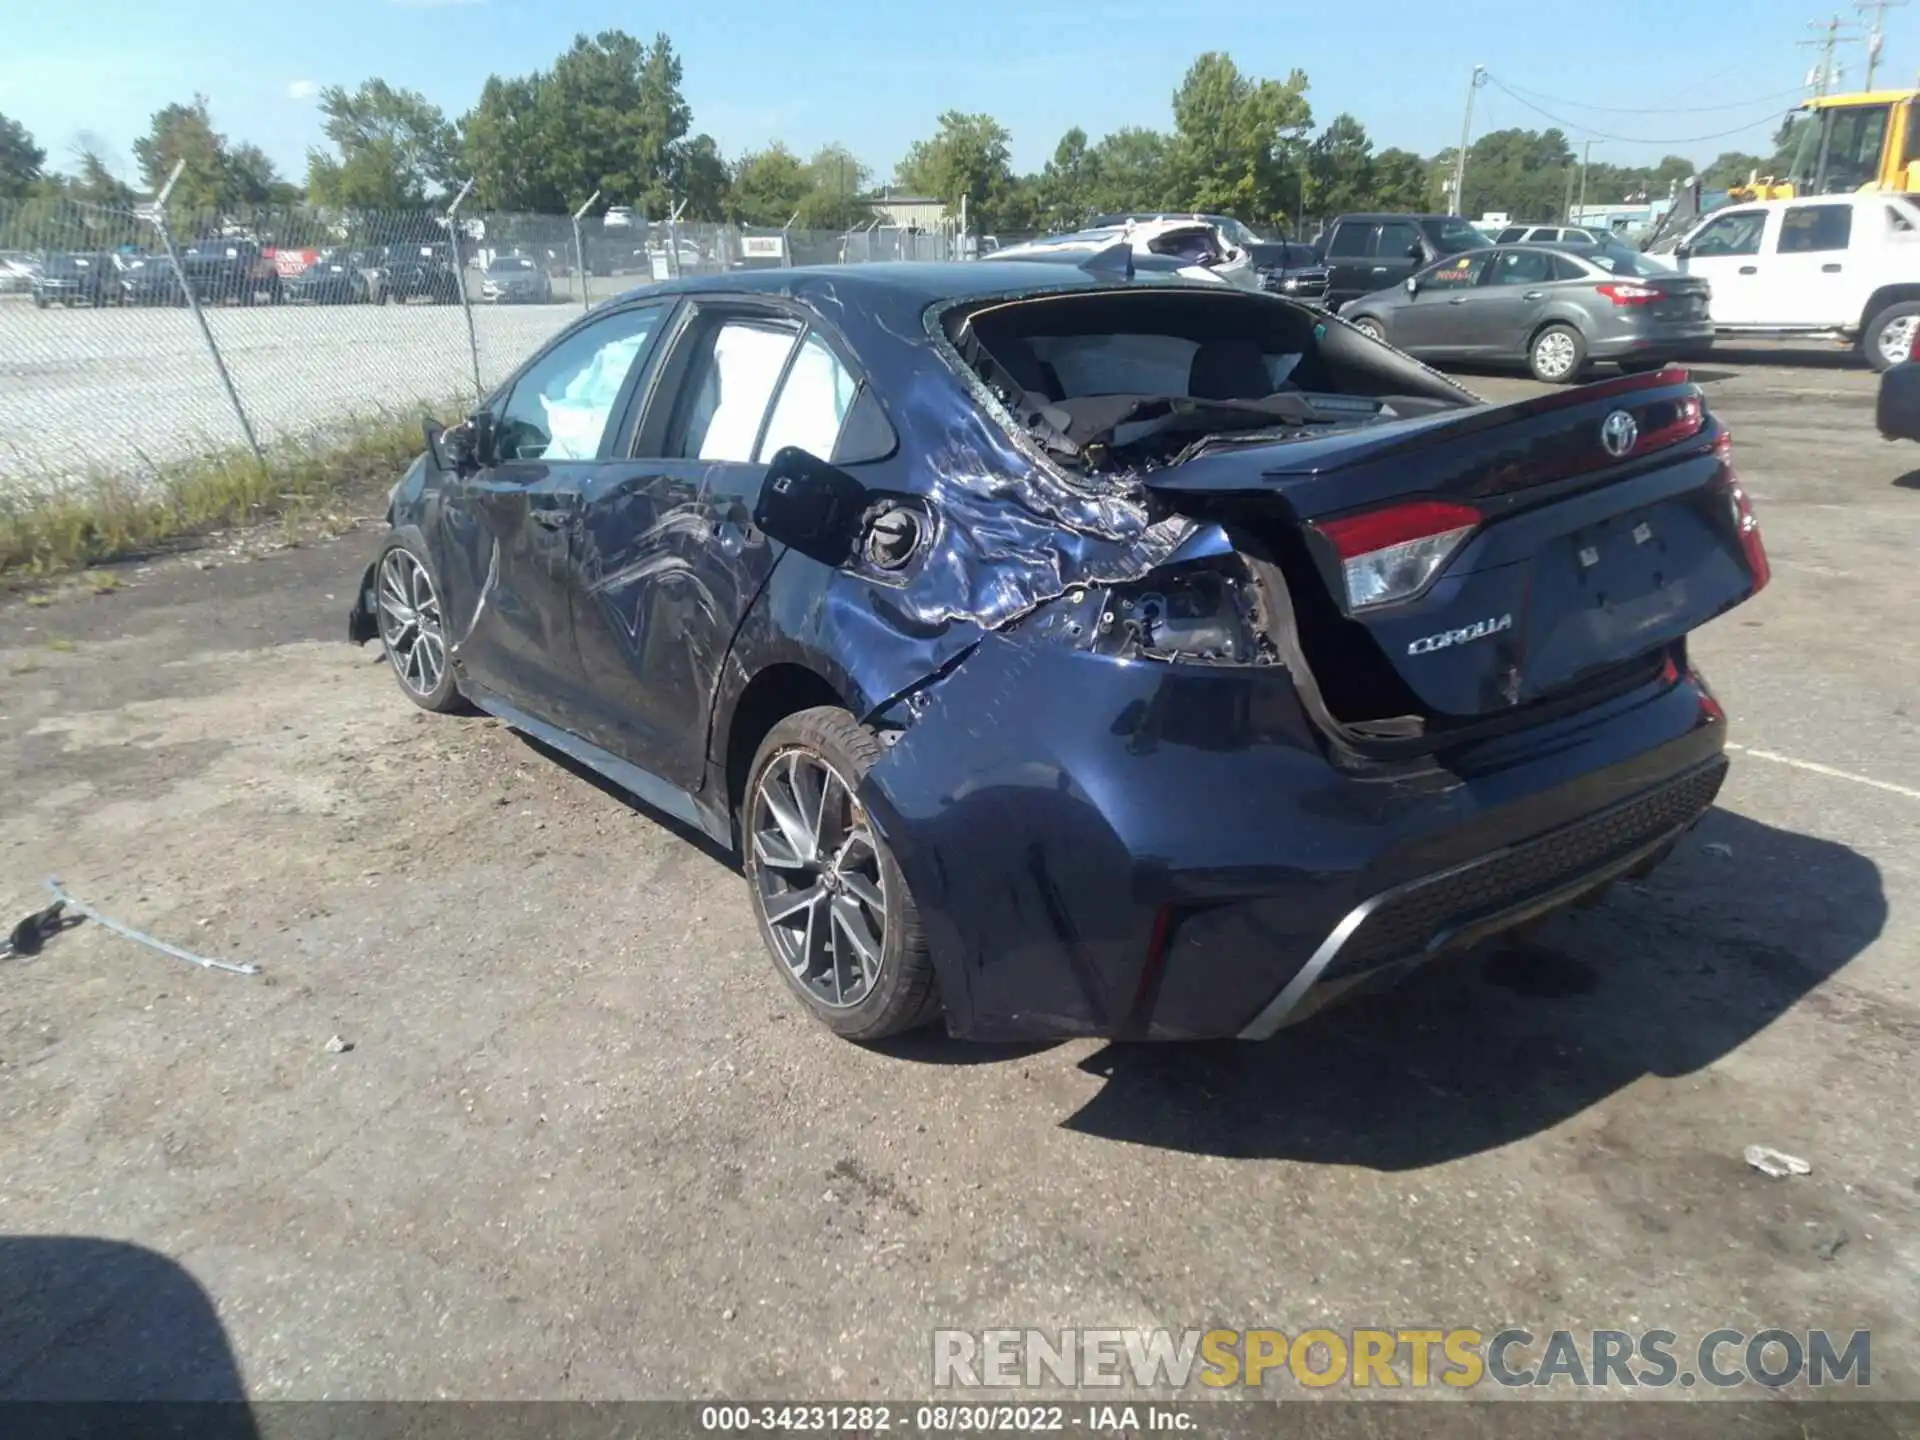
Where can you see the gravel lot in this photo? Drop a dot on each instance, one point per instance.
(583, 1144)
(115, 388)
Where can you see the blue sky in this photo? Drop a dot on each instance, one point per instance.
(877, 75)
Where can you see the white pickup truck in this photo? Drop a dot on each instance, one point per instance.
(1833, 267)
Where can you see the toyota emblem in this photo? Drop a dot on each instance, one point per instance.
(1618, 433)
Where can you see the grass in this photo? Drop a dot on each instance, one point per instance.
(55, 526)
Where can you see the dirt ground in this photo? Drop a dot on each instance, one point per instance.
(584, 1145)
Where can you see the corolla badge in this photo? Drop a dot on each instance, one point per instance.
(1618, 433)
(1446, 639)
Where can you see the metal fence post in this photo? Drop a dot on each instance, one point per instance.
(460, 275)
(158, 215)
(580, 250)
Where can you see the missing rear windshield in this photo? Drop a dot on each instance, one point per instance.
(1126, 379)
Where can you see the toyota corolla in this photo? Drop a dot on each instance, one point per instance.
(1065, 652)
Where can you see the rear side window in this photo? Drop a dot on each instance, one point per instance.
(1565, 268)
(1349, 239)
(728, 390)
(1808, 228)
(1394, 240)
(1523, 267)
(813, 404)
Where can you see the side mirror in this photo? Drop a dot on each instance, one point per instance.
(811, 506)
(1897, 412)
(481, 440)
(1414, 252)
(1683, 252)
(1413, 284)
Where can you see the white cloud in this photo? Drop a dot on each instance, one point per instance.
(302, 90)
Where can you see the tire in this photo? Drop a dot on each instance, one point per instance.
(1370, 327)
(1557, 355)
(1890, 326)
(897, 992)
(395, 575)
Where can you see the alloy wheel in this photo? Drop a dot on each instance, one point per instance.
(1554, 353)
(817, 878)
(410, 622)
(1896, 339)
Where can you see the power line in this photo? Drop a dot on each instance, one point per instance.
(1683, 110)
(1770, 118)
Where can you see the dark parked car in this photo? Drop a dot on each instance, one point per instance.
(1067, 655)
(340, 276)
(1364, 253)
(1897, 408)
(69, 278)
(150, 280)
(421, 272)
(1555, 309)
(221, 268)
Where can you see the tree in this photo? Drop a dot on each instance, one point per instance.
(1128, 170)
(1730, 167)
(1341, 167)
(1234, 139)
(768, 186)
(967, 159)
(20, 160)
(1063, 190)
(702, 180)
(1401, 181)
(393, 149)
(185, 133)
(1521, 172)
(835, 181)
(609, 116)
(252, 179)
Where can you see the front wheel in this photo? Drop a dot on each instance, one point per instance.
(1888, 338)
(830, 900)
(1371, 328)
(412, 632)
(1557, 355)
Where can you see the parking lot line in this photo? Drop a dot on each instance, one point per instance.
(1818, 769)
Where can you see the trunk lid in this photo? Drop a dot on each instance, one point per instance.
(1594, 541)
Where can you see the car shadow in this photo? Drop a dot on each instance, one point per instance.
(1908, 481)
(1477, 1051)
(699, 839)
(109, 1329)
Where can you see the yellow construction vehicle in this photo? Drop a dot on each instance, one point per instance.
(1869, 140)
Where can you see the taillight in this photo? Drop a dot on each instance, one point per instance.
(1745, 523)
(1391, 554)
(1625, 292)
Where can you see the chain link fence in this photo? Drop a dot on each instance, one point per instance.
(131, 339)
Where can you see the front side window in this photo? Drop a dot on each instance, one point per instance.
(1395, 239)
(1462, 272)
(1737, 233)
(1349, 239)
(1807, 228)
(559, 408)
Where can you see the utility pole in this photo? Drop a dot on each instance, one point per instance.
(1478, 78)
(1827, 38)
(1876, 35)
(1586, 158)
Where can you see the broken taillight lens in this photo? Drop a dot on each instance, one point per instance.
(1392, 554)
(1745, 523)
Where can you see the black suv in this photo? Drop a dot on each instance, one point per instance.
(1365, 253)
(422, 270)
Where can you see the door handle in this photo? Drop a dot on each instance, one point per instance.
(1749, 269)
(1379, 269)
(1829, 269)
(1534, 295)
(1457, 300)
(549, 519)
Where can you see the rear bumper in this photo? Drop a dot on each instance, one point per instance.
(1141, 851)
(1691, 342)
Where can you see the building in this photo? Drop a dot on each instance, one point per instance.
(909, 212)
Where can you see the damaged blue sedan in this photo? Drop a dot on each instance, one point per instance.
(1070, 652)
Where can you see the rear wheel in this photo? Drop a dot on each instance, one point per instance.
(1888, 338)
(1557, 355)
(1370, 327)
(831, 902)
